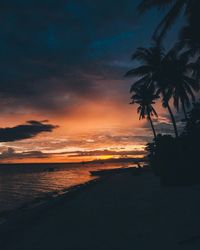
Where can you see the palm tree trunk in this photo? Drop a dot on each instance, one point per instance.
(171, 113)
(173, 120)
(152, 126)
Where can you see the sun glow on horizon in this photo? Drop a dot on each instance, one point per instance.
(86, 135)
(85, 150)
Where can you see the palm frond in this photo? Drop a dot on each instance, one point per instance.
(141, 54)
(190, 92)
(194, 83)
(139, 71)
(143, 81)
(168, 20)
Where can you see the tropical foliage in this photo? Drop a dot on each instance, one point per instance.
(145, 97)
(176, 160)
(189, 8)
(173, 77)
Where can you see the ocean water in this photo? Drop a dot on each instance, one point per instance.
(23, 183)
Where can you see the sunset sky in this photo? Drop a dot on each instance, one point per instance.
(63, 94)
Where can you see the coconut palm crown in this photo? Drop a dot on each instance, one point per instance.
(145, 97)
(151, 72)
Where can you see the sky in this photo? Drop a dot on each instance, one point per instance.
(63, 94)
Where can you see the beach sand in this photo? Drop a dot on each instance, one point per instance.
(118, 213)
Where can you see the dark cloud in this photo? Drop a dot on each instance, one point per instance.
(53, 48)
(163, 123)
(25, 131)
(123, 153)
(10, 154)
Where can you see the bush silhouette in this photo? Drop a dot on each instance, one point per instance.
(176, 160)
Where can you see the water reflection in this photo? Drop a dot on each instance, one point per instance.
(20, 184)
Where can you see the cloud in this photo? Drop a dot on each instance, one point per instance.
(10, 154)
(25, 131)
(123, 153)
(50, 50)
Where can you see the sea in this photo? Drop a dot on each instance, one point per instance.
(21, 184)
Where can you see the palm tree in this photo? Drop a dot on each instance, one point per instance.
(145, 97)
(181, 78)
(152, 72)
(190, 9)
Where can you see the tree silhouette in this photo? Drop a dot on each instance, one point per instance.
(175, 77)
(184, 150)
(145, 97)
(152, 71)
(181, 78)
(193, 123)
(189, 8)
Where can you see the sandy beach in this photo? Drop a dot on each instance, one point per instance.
(121, 212)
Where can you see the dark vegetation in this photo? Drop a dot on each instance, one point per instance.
(176, 160)
(173, 77)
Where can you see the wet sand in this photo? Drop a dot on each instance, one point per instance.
(121, 212)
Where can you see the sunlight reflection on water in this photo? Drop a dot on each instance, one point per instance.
(22, 183)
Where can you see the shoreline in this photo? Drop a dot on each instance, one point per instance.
(52, 199)
(123, 211)
(21, 217)
(45, 202)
